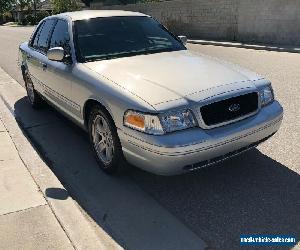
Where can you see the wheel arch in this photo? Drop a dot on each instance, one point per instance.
(24, 69)
(89, 104)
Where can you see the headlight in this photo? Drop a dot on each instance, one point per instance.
(178, 120)
(266, 96)
(159, 124)
(147, 123)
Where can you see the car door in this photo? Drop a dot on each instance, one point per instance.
(32, 57)
(37, 58)
(58, 75)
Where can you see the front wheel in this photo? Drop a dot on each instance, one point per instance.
(33, 97)
(105, 141)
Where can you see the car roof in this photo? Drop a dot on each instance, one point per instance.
(87, 14)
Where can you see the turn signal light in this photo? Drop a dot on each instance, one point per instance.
(135, 120)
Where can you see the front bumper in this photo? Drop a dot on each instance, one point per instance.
(182, 151)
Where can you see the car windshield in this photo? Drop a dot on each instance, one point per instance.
(113, 37)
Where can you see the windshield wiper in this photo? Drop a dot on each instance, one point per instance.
(129, 53)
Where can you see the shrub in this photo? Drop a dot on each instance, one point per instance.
(40, 15)
(23, 22)
(30, 19)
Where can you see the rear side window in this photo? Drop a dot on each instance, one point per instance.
(44, 36)
(60, 36)
(36, 36)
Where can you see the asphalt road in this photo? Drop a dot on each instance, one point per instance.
(257, 192)
(11, 38)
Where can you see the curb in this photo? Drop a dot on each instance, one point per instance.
(78, 227)
(247, 46)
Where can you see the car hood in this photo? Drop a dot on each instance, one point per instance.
(180, 75)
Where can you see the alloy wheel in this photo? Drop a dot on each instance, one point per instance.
(102, 139)
(30, 90)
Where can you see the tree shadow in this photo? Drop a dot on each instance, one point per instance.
(250, 194)
(57, 193)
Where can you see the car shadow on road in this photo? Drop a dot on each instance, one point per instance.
(251, 193)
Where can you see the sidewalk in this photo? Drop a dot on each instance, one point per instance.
(36, 212)
(26, 220)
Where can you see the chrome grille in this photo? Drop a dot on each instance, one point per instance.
(229, 109)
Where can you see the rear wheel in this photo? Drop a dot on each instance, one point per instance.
(105, 141)
(33, 97)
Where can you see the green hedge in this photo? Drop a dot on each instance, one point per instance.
(30, 18)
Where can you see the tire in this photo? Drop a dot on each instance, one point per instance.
(105, 142)
(33, 97)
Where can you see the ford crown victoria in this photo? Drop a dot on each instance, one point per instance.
(143, 97)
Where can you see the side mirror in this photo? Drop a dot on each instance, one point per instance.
(56, 54)
(183, 39)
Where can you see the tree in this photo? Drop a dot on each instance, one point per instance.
(64, 5)
(121, 1)
(5, 5)
(30, 4)
(34, 3)
(22, 3)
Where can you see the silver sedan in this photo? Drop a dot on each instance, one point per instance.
(142, 96)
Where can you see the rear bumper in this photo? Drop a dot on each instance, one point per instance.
(188, 150)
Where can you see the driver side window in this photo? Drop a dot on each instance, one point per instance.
(36, 36)
(41, 39)
(61, 37)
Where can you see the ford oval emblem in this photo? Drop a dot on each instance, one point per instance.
(234, 107)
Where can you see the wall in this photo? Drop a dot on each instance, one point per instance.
(194, 18)
(267, 21)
